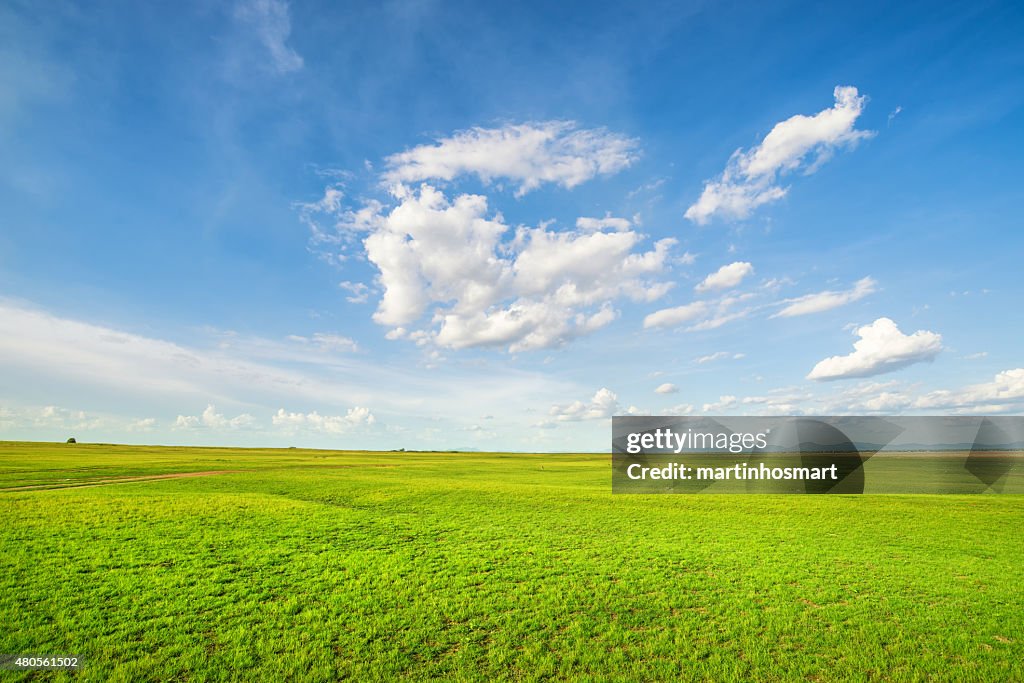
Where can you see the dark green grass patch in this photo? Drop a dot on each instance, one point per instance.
(313, 565)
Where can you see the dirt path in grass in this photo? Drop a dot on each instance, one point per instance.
(117, 480)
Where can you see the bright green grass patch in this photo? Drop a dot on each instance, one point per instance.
(316, 565)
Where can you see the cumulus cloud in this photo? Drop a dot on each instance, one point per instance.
(723, 403)
(271, 26)
(726, 277)
(453, 273)
(667, 388)
(881, 348)
(329, 424)
(529, 154)
(602, 405)
(1005, 392)
(451, 261)
(671, 317)
(211, 419)
(827, 300)
(751, 178)
(359, 292)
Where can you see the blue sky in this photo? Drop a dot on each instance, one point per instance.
(461, 225)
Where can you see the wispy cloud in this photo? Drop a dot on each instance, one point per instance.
(594, 224)
(726, 277)
(359, 292)
(249, 374)
(271, 25)
(751, 178)
(326, 342)
(672, 317)
(827, 300)
(719, 355)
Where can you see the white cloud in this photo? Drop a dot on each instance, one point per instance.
(604, 404)
(54, 416)
(670, 317)
(329, 424)
(595, 224)
(71, 355)
(360, 292)
(732, 199)
(717, 321)
(448, 261)
(800, 142)
(667, 388)
(523, 326)
(719, 355)
(326, 342)
(51, 418)
(330, 202)
(827, 300)
(881, 348)
(1003, 394)
(453, 273)
(529, 154)
(269, 21)
(211, 419)
(646, 188)
(428, 249)
(146, 424)
(44, 357)
(726, 277)
(723, 403)
(1005, 391)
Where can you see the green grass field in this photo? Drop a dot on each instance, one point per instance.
(317, 565)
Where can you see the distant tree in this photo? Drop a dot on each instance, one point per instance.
(72, 440)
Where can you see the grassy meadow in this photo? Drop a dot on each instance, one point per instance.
(322, 565)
